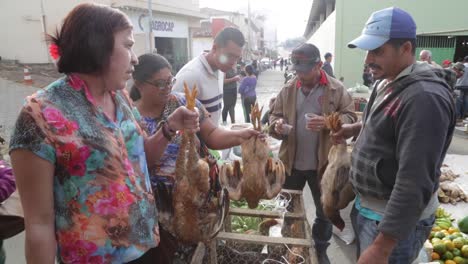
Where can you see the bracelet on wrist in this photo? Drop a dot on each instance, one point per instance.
(168, 133)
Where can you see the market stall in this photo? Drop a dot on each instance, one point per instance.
(448, 242)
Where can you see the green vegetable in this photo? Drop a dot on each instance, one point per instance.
(242, 224)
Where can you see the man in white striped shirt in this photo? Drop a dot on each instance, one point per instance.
(207, 70)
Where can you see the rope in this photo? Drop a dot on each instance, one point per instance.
(266, 261)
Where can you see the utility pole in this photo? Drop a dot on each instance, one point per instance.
(149, 39)
(248, 31)
(44, 28)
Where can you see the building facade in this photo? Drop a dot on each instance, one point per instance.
(171, 26)
(442, 27)
(252, 30)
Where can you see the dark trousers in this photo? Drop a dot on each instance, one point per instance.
(462, 104)
(229, 101)
(2, 253)
(248, 102)
(322, 227)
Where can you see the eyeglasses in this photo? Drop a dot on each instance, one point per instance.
(163, 84)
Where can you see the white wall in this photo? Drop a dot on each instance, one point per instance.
(324, 37)
(201, 44)
(21, 33)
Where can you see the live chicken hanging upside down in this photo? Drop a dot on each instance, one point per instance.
(197, 215)
(259, 176)
(336, 189)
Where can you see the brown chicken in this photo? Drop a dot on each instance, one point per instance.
(197, 217)
(336, 189)
(260, 177)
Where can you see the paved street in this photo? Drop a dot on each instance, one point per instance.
(269, 83)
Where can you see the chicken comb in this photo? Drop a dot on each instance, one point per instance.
(190, 96)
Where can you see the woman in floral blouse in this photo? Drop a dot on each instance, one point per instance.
(79, 155)
(155, 102)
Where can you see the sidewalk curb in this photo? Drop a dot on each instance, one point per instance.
(460, 133)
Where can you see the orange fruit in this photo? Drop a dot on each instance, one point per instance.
(458, 242)
(459, 260)
(450, 262)
(435, 256)
(449, 245)
(440, 248)
(447, 256)
(464, 251)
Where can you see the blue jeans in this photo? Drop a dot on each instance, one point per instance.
(405, 252)
(322, 227)
(461, 104)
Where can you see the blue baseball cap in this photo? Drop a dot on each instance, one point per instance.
(383, 25)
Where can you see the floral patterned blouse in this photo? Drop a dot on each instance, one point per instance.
(104, 207)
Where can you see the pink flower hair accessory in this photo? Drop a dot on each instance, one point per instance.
(54, 51)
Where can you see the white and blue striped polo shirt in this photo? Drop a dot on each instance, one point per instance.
(209, 83)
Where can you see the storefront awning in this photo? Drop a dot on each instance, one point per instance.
(450, 32)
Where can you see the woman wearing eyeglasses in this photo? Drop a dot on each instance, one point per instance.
(154, 101)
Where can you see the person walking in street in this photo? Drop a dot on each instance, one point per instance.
(462, 86)
(281, 64)
(327, 64)
(230, 94)
(247, 91)
(305, 140)
(395, 162)
(367, 76)
(79, 155)
(206, 70)
(426, 56)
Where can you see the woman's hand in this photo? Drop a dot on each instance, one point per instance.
(182, 118)
(247, 133)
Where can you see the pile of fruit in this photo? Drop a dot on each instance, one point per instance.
(450, 244)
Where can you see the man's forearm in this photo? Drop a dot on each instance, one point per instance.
(356, 128)
(223, 139)
(229, 80)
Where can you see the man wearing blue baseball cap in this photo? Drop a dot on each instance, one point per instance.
(403, 138)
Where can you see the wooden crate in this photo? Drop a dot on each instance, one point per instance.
(239, 248)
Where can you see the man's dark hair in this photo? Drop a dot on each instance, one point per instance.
(398, 42)
(229, 34)
(86, 40)
(249, 69)
(327, 55)
(465, 59)
(148, 65)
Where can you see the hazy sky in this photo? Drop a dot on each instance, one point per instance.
(289, 17)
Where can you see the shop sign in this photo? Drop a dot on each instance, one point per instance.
(161, 25)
